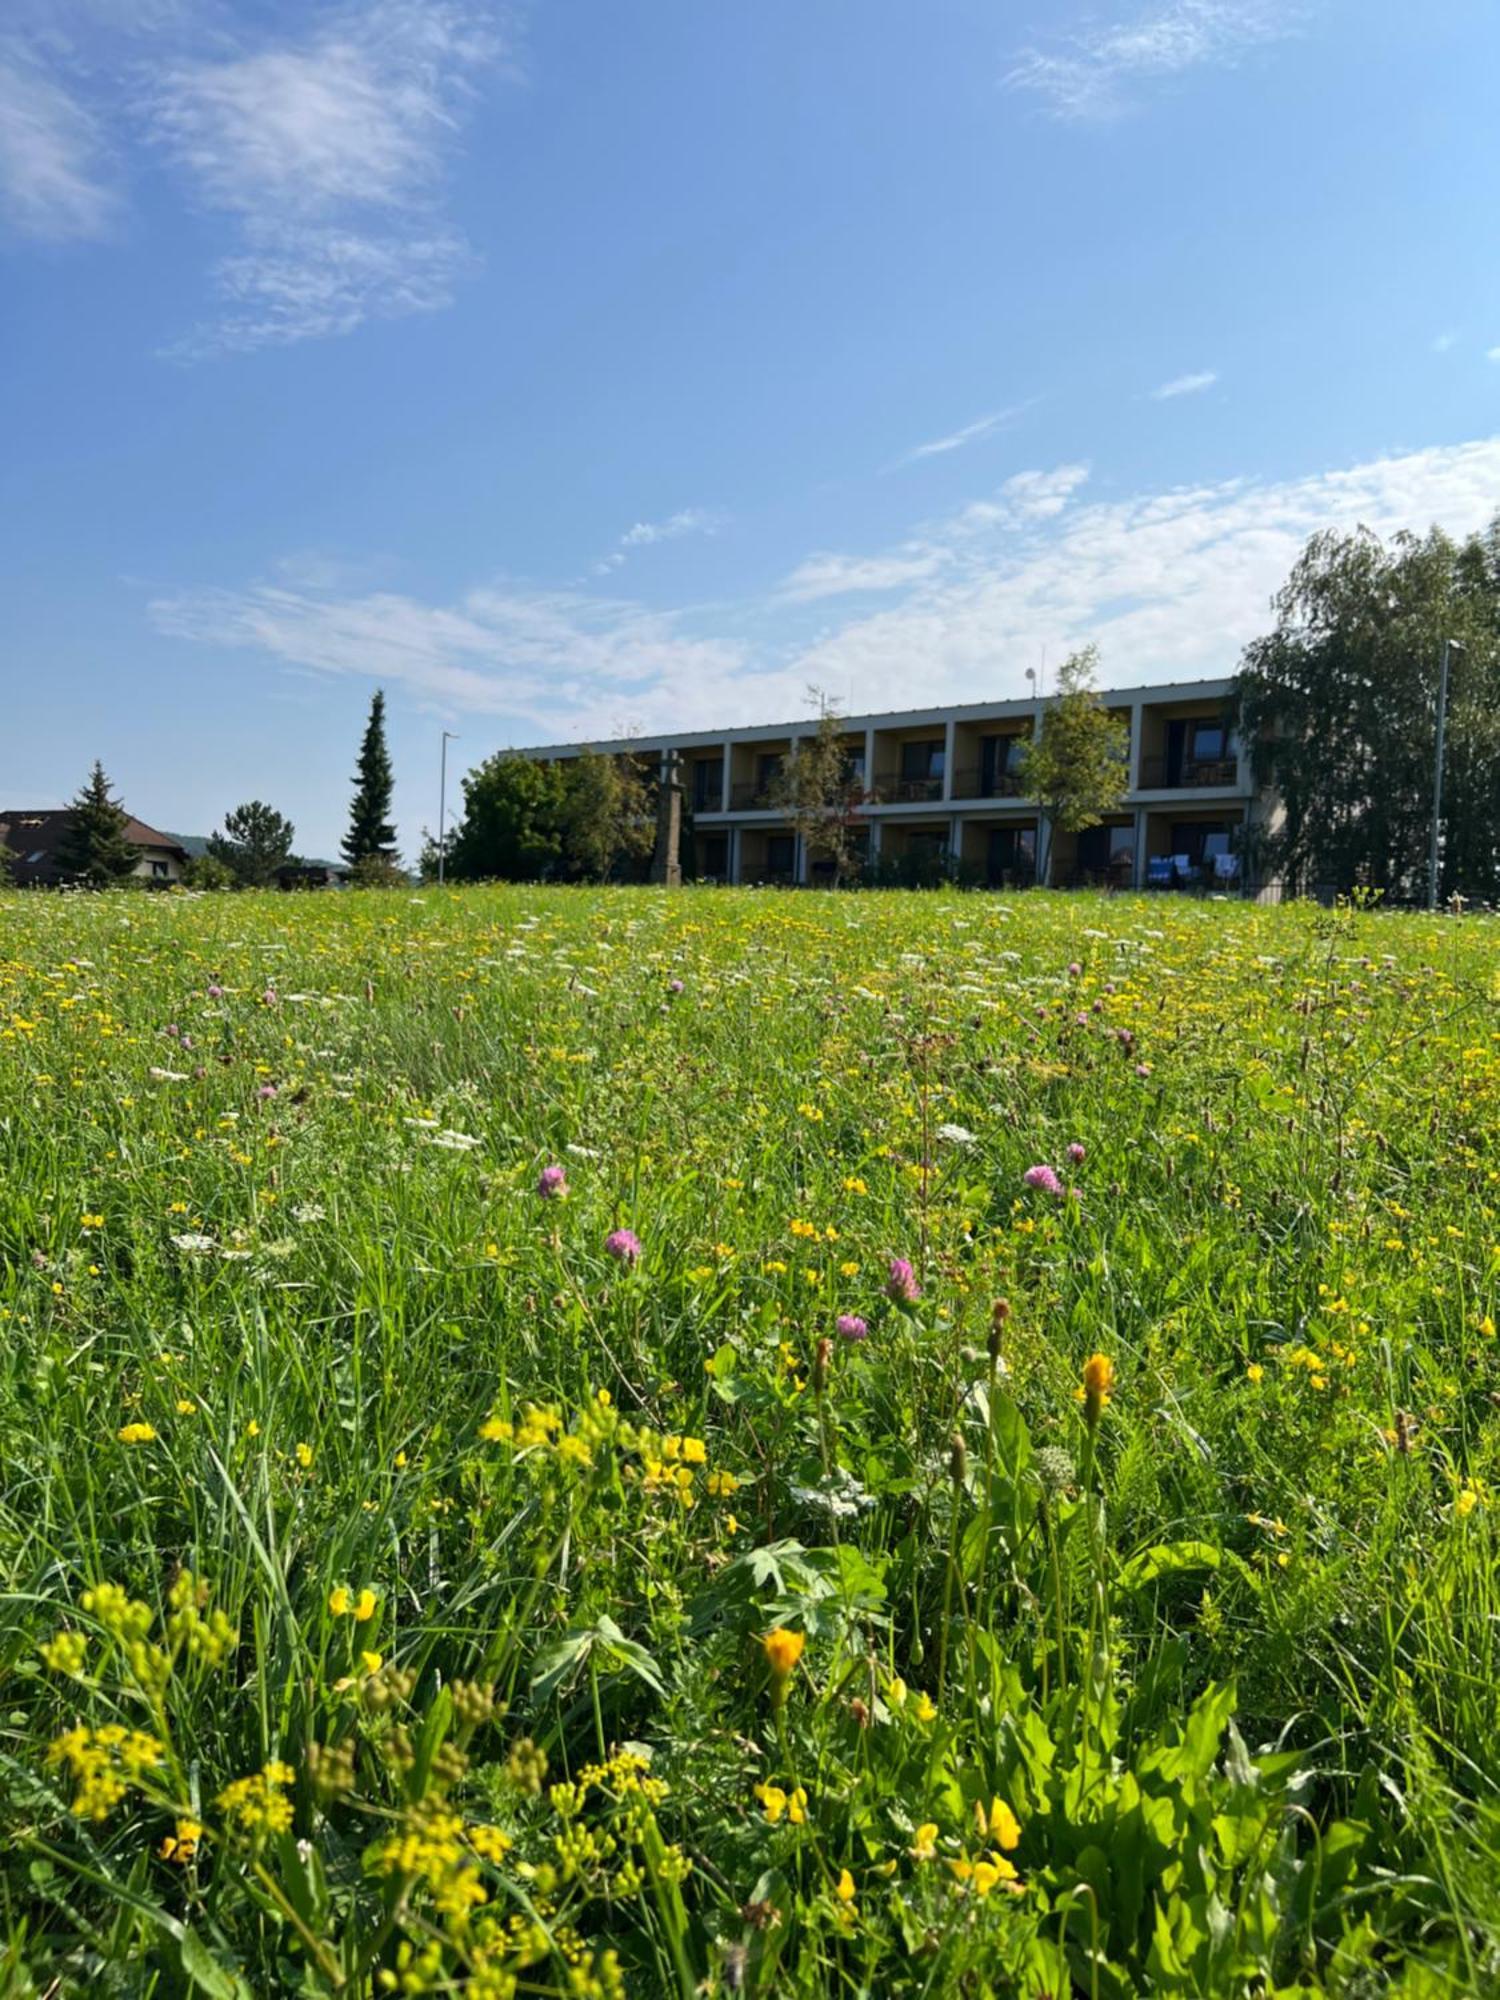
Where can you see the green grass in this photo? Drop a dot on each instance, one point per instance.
(1199, 1697)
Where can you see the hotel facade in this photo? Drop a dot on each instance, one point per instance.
(942, 794)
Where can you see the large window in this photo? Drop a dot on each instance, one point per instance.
(921, 761)
(781, 853)
(1107, 853)
(1010, 857)
(708, 784)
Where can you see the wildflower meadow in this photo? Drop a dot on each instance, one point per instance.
(585, 1443)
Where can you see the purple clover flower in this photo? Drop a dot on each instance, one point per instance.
(552, 1182)
(1043, 1177)
(851, 1327)
(901, 1283)
(624, 1245)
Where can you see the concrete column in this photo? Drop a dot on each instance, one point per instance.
(869, 760)
(1137, 730)
(802, 860)
(948, 758)
(732, 860)
(955, 826)
(1140, 847)
(728, 760)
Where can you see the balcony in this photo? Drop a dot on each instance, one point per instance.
(908, 791)
(1187, 773)
(754, 796)
(977, 783)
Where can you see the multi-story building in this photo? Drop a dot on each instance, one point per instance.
(941, 790)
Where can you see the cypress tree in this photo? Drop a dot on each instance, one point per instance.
(93, 849)
(371, 837)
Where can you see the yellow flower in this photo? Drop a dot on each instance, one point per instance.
(783, 1649)
(1098, 1382)
(1465, 1503)
(364, 1610)
(182, 1845)
(136, 1433)
(338, 1602)
(773, 1800)
(304, 1456)
(372, 1662)
(924, 1843)
(844, 1887)
(66, 1653)
(1255, 1372)
(1002, 1826)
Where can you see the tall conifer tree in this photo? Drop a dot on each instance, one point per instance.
(371, 837)
(93, 849)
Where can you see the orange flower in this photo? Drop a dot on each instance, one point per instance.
(1098, 1381)
(783, 1650)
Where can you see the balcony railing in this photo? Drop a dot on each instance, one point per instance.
(907, 791)
(977, 783)
(1162, 774)
(752, 797)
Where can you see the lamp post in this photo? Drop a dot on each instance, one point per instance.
(449, 736)
(1449, 646)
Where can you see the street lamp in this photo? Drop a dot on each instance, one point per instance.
(1449, 646)
(449, 736)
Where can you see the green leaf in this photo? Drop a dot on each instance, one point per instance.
(1166, 1559)
(203, 1970)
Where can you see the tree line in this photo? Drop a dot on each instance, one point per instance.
(253, 848)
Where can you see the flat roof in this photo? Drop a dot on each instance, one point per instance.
(900, 718)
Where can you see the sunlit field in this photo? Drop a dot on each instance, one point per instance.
(588, 1444)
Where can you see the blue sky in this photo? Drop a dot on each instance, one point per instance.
(570, 368)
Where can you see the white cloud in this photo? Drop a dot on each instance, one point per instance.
(842, 576)
(1493, 354)
(1171, 585)
(52, 182)
(1095, 73)
(330, 155)
(1184, 385)
(1442, 343)
(565, 664)
(690, 521)
(981, 427)
(1024, 498)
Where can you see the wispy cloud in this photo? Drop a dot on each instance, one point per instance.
(1024, 499)
(1184, 385)
(1493, 354)
(559, 661)
(54, 185)
(329, 155)
(955, 440)
(1171, 584)
(1099, 72)
(1442, 343)
(844, 576)
(687, 521)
